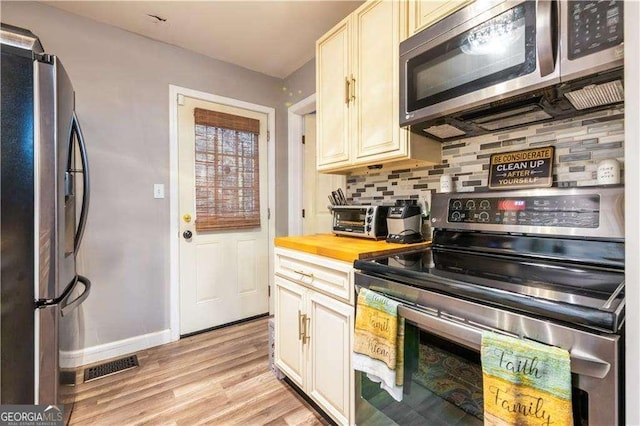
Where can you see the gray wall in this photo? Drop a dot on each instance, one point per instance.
(300, 84)
(122, 87)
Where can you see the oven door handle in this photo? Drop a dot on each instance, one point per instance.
(471, 337)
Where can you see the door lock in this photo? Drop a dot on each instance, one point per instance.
(187, 235)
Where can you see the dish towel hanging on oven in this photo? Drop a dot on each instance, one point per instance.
(379, 341)
(524, 382)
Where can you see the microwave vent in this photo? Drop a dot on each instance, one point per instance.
(444, 131)
(530, 117)
(513, 117)
(596, 95)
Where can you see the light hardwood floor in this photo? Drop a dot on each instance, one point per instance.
(219, 377)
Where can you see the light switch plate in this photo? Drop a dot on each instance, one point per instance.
(158, 190)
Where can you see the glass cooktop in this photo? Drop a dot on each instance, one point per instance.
(578, 293)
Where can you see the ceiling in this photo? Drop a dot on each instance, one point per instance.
(271, 37)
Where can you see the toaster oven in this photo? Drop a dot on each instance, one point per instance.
(364, 221)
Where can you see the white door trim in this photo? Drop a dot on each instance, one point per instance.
(174, 230)
(296, 159)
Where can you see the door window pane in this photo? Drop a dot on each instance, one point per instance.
(226, 171)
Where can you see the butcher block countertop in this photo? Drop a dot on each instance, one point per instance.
(347, 249)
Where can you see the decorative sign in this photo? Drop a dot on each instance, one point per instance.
(531, 168)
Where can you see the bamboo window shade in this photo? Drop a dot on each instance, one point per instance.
(226, 171)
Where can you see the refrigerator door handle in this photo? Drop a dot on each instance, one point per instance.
(43, 303)
(75, 130)
(68, 306)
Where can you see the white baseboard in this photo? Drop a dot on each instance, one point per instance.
(73, 359)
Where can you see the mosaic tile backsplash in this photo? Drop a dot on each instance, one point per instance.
(580, 143)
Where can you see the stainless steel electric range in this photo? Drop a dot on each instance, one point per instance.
(545, 265)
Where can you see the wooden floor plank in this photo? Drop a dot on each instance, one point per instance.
(219, 377)
(151, 377)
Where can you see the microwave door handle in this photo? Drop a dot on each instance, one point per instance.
(545, 17)
(75, 130)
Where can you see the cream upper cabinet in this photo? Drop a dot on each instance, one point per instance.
(423, 13)
(332, 98)
(358, 116)
(375, 69)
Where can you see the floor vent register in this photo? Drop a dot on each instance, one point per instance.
(111, 367)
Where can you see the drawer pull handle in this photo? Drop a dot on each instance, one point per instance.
(304, 274)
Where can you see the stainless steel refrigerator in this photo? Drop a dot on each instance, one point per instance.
(44, 200)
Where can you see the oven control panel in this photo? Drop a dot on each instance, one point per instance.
(571, 211)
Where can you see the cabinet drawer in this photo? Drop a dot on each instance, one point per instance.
(329, 276)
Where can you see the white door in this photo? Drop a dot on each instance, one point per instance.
(223, 273)
(317, 217)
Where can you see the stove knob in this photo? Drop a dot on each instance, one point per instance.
(368, 228)
(370, 210)
(369, 219)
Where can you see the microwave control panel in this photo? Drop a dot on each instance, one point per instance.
(594, 26)
(573, 211)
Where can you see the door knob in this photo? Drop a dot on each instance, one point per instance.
(187, 235)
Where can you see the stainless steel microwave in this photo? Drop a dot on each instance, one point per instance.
(495, 65)
(360, 221)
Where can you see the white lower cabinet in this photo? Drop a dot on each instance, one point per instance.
(313, 340)
(289, 305)
(329, 378)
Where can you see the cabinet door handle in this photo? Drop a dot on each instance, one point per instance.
(353, 88)
(307, 326)
(301, 325)
(347, 91)
(304, 274)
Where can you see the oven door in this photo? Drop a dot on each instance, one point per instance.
(476, 56)
(443, 374)
(442, 386)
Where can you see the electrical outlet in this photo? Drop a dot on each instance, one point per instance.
(425, 203)
(423, 207)
(158, 190)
